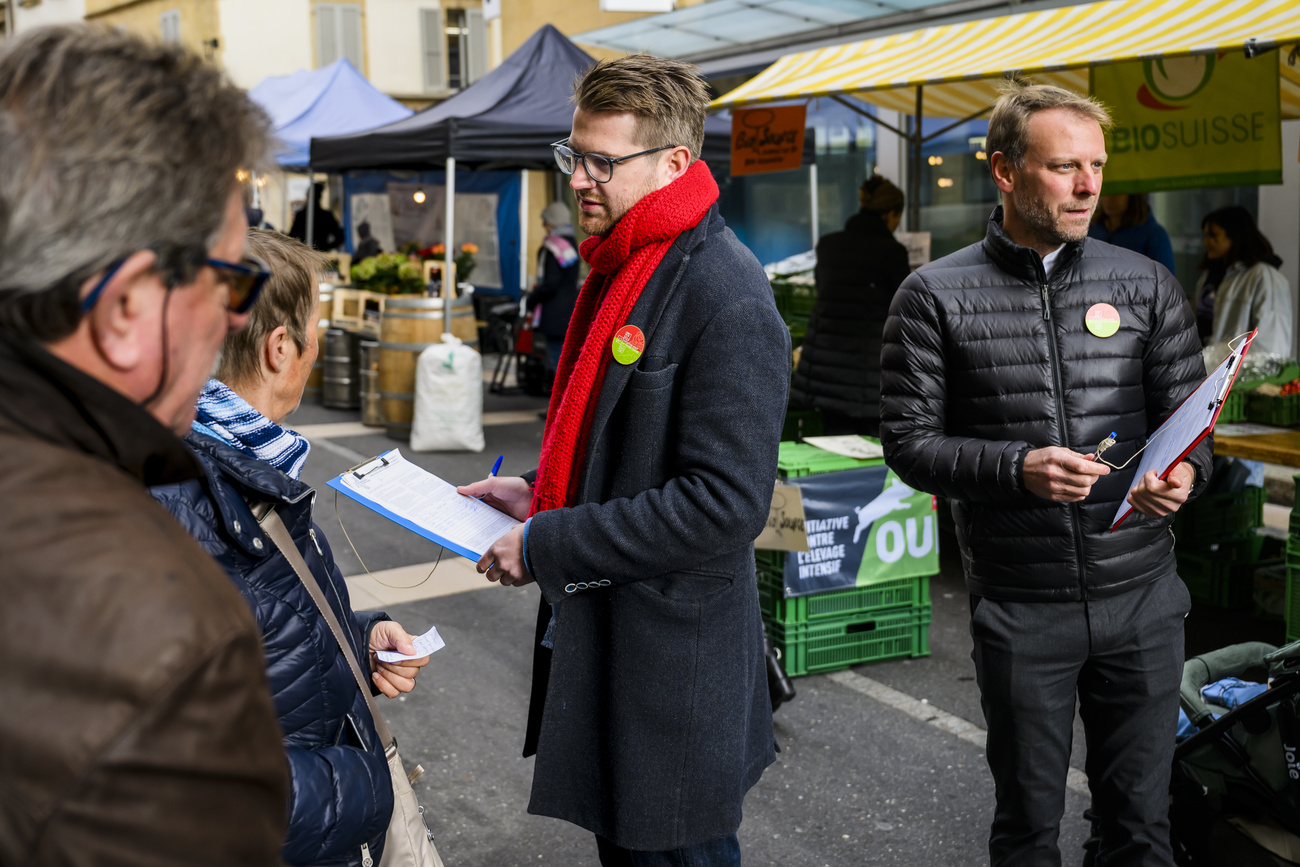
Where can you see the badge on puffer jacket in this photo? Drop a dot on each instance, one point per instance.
(628, 344)
(1102, 320)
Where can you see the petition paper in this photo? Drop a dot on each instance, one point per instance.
(427, 501)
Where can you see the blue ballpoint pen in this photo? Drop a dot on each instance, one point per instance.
(496, 466)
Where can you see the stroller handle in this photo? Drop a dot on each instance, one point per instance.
(1228, 661)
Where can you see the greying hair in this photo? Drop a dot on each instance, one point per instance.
(110, 145)
(287, 299)
(668, 98)
(1021, 100)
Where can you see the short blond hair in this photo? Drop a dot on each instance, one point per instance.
(1021, 100)
(669, 98)
(287, 299)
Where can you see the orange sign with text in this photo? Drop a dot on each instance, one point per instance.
(767, 139)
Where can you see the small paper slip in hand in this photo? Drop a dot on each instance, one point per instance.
(425, 504)
(851, 446)
(429, 642)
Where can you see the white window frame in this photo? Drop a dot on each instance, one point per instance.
(334, 39)
(169, 23)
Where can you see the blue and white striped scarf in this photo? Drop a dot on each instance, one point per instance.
(226, 416)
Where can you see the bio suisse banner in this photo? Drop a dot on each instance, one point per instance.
(864, 526)
(1182, 122)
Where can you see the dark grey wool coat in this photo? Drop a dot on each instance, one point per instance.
(651, 718)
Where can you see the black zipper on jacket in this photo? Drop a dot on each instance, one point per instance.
(1058, 397)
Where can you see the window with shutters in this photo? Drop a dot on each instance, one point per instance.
(170, 23)
(338, 34)
(431, 38)
(457, 39)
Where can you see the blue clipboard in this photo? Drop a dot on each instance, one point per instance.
(1187, 425)
(337, 484)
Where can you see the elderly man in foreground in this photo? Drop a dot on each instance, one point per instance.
(136, 726)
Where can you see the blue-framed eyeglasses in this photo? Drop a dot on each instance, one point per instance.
(245, 280)
(599, 168)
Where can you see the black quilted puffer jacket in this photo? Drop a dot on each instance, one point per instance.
(985, 359)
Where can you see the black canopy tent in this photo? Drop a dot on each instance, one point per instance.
(505, 120)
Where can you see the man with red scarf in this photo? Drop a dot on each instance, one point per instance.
(650, 715)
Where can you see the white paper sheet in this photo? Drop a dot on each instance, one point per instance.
(429, 642)
(849, 446)
(419, 497)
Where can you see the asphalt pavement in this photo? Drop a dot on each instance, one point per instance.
(882, 764)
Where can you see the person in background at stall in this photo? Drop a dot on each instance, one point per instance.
(368, 245)
(326, 232)
(1241, 288)
(858, 271)
(342, 797)
(556, 289)
(1126, 221)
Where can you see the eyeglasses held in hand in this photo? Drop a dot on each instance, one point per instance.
(244, 281)
(599, 168)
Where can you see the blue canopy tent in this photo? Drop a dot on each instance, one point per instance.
(333, 100)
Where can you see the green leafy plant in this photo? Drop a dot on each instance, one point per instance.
(389, 273)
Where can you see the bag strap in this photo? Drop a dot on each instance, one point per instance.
(274, 527)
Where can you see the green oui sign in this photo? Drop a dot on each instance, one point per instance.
(1183, 122)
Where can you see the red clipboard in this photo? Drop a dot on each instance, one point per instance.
(1187, 425)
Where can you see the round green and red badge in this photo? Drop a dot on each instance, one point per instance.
(1102, 320)
(628, 344)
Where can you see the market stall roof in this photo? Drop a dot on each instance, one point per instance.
(723, 24)
(506, 120)
(327, 101)
(958, 64)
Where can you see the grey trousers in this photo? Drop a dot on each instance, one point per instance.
(1123, 659)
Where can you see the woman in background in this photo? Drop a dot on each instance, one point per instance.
(1126, 221)
(1241, 283)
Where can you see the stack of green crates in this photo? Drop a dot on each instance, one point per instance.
(1218, 548)
(835, 629)
(794, 301)
(1293, 574)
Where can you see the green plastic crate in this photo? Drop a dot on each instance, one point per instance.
(1282, 411)
(832, 604)
(1215, 518)
(1234, 407)
(837, 644)
(800, 459)
(1223, 577)
(794, 299)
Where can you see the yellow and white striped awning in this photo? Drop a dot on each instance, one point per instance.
(958, 64)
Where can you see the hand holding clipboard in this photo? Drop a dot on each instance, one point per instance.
(1186, 426)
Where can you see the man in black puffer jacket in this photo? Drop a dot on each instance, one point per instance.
(858, 272)
(999, 380)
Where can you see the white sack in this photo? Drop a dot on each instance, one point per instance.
(448, 399)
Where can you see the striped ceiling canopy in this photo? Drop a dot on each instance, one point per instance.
(959, 64)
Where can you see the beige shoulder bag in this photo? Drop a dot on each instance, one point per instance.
(409, 842)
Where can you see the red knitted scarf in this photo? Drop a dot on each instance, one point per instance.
(621, 265)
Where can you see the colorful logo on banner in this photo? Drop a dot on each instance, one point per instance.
(1184, 122)
(864, 526)
(767, 139)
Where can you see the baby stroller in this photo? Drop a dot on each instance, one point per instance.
(1236, 779)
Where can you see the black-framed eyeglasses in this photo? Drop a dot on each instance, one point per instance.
(599, 168)
(244, 280)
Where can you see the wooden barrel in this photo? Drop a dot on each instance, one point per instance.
(341, 384)
(372, 413)
(409, 325)
(313, 390)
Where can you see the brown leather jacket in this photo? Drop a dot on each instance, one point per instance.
(136, 726)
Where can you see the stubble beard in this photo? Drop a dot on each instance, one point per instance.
(614, 210)
(1048, 226)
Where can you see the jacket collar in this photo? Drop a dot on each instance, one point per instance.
(51, 400)
(237, 481)
(1024, 262)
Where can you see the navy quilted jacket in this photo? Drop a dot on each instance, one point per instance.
(342, 794)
